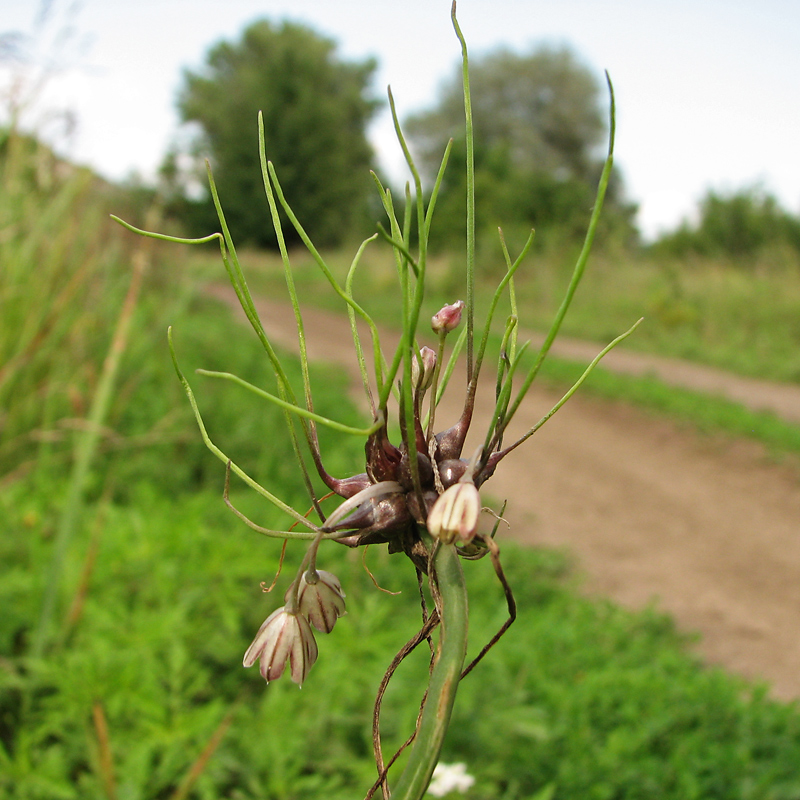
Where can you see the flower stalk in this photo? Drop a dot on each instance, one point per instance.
(445, 675)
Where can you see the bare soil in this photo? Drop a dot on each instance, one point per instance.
(656, 513)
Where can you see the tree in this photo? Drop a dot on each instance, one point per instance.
(747, 227)
(740, 226)
(540, 132)
(315, 111)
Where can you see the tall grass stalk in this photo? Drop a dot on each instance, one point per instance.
(60, 269)
(86, 448)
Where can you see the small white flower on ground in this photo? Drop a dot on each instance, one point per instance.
(450, 778)
(283, 636)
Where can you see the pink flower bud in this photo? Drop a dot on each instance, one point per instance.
(283, 636)
(455, 514)
(320, 599)
(448, 318)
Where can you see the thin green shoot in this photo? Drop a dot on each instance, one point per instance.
(351, 315)
(294, 409)
(326, 270)
(595, 361)
(451, 364)
(436, 186)
(501, 403)
(581, 262)
(253, 484)
(512, 268)
(512, 295)
(470, 143)
(505, 357)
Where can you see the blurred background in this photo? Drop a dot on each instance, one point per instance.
(130, 592)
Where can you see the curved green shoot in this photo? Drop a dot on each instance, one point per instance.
(276, 501)
(294, 409)
(493, 305)
(501, 404)
(351, 315)
(315, 254)
(580, 264)
(595, 361)
(470, 142)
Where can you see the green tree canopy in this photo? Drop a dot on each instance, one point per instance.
(540, 128)
(315, 108)
(740, 226)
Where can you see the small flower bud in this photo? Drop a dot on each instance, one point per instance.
(448, 318)
(283, 636)
(422, 379)
(320, 599)
(455, 514)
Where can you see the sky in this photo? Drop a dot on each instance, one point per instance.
(708, 91)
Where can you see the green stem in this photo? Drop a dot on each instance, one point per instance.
(452, 591)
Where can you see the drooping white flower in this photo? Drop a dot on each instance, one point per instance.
(284, 636)
(422, 376)
(320, 599)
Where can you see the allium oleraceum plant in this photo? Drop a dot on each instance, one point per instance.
(420, 496)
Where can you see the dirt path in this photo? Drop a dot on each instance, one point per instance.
(710, 531)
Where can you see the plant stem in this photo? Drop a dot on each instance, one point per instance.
(448, 578)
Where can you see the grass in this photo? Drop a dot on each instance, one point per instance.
(581, 696)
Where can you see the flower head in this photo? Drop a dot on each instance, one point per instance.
(448, 318)
(455, 513)
(320, 599)
(285, 635)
